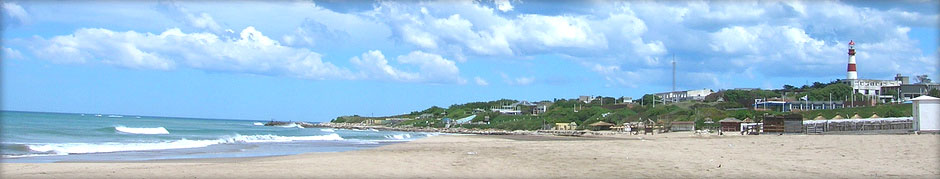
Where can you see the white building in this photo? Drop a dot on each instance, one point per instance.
(679, 96)
(870, 87)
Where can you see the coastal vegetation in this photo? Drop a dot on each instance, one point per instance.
(734, 103)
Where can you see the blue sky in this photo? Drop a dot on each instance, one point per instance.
(315, 60)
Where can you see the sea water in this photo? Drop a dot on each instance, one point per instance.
(54, 137)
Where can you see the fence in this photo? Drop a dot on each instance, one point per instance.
(859, 125)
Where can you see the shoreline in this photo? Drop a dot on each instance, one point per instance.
(670, 155)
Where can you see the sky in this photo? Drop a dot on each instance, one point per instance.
(316, 60)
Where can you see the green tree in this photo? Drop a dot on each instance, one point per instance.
(934, 92)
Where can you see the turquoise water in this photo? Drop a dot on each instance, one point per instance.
(53, 137)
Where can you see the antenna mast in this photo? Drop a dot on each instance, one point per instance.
(673, 72)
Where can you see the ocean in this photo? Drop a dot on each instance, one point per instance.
(37, 137)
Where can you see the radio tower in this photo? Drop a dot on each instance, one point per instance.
(673, 73)
(852, 74)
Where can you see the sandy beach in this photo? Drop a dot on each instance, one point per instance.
(672, 155)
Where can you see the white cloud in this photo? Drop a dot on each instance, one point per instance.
(524, 80)
(480, 81)
(432, 68)
(252, 52)
(374, 65)
(9, 53)
(14, 14)
(202, 20)
(503, 5)
(518, 80)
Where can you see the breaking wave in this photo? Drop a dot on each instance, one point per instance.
(83, 148)
(132, 130)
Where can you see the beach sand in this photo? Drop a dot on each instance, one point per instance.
(672, 155)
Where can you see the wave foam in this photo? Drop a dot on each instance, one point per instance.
(291, 125)
(82, 148)
(258, 124)
(132, 130)
(327, 130)
(398, 136)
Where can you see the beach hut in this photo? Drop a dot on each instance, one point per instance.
(601, 125)
(926, 114)
(785, 123)
(730, 124)
(682, 126)
(875, 115)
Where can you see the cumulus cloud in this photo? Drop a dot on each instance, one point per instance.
(469, 27)
(252, 52)
(202, 20)
(503, 5)
(432, 68)
(14, 14)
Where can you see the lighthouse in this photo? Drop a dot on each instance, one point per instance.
(852, 74)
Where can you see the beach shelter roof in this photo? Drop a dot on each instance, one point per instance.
(730, 119)
(838, 117)
(875, 115)
(856, 116)
(601, 123)
(748, 119)
(819, 117)
(925, 98)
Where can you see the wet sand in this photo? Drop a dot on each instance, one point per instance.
(673, 155)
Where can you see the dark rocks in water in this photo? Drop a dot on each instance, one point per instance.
(277, 123)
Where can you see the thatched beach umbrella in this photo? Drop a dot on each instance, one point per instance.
(875, 115)
(856, 116)
(838, 116)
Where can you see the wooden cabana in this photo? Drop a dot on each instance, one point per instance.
(730, 125)
(789, 123)
(601, 125)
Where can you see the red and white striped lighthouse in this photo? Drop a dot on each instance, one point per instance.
(852, 73)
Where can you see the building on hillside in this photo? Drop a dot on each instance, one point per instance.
(542, 107)
(626, 100)
(510, 108)
(680, 96)
(907, 91)
(425, 116)
(586, 99)
(374, 121)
